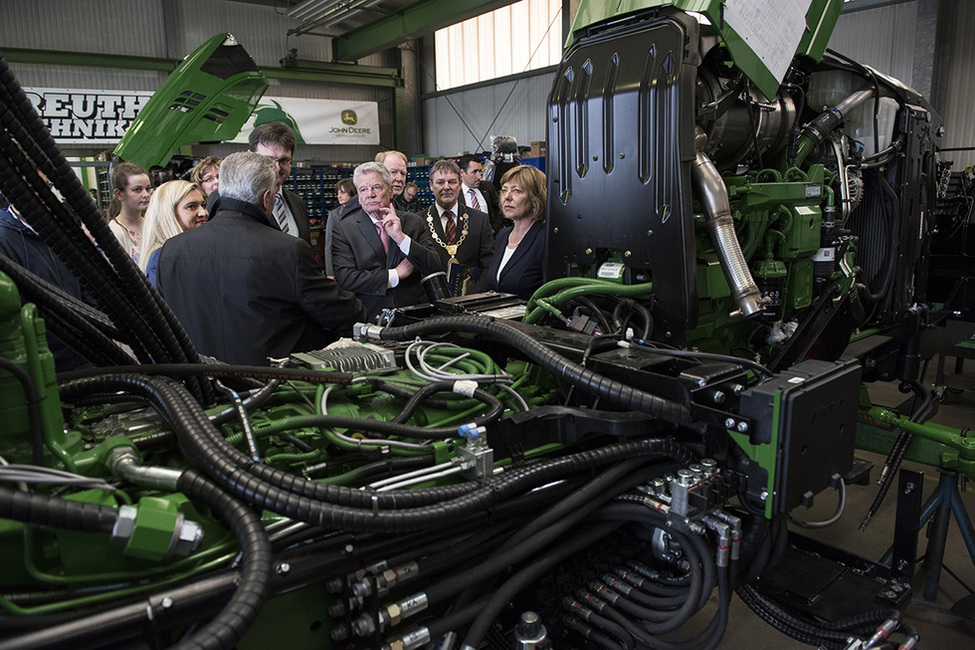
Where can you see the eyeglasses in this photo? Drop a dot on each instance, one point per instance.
(284, 162)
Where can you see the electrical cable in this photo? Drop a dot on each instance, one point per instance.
(840, 507)
(590, 382)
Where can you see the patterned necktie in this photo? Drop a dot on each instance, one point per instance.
(383, 236)
(280, 214)
(451, 229)
(474, 202)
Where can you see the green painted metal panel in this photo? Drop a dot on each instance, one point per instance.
(318, 71)
(208, 97)
(418, 19)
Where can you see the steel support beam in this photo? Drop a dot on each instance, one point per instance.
(416, 20)
(338, 73)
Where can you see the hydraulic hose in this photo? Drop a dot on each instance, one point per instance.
(39, 144)
(513, 552)
(228, 627)
(328, 505)
(539, 566)
(713, 194)
(56, 512)
(572, 373)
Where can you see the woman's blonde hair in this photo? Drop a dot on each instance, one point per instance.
(161, 221)
(532, 180)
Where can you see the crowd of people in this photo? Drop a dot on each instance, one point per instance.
(230, 248)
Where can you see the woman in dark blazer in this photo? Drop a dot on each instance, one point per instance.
(518, 264)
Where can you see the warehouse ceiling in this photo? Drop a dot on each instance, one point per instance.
(362, 27)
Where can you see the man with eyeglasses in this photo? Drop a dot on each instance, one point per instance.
(378, 252)
(277, 141)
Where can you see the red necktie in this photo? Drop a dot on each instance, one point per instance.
(383, 236)
(451, 229)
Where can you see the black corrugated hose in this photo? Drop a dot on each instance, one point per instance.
(221, 633)
(62, 320)
(44, 510)
(20, 118)
(338, 506)
(228, 627)
(563, 368)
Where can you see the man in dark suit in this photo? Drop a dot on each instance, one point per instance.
(277, 141)
(462, 235)
(479, 194)
(244, 290)
(378, 253)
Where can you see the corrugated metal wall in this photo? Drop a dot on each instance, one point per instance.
(154, 28)
(465, 120)
(882, 38)
(960, 102)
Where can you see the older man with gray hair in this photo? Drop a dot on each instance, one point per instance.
(244, 290)
(380, 253)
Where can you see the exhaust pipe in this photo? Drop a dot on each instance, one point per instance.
(714, 195)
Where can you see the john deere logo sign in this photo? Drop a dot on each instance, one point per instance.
(349, 120)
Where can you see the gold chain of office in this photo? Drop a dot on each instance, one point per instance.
(451, 248)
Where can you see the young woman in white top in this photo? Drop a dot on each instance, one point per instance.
(130, 196)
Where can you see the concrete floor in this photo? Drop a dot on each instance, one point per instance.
(939, 627)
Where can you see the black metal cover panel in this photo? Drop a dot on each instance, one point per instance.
(818, 402)
(620, 145)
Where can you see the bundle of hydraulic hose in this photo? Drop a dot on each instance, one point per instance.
(79, 235)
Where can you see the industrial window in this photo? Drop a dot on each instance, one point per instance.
(526, 35)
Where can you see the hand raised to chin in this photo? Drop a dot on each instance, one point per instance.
(391, 223)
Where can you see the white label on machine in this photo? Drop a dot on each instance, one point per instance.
(771, 28)
(611, 271)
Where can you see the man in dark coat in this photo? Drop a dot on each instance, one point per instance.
(478, 194)
(379, 253)
(22, 245)
(462, 235)
(244, 290)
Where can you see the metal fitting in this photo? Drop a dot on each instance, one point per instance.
(395, 613)
(366, 331)
(125, 463)
(364, 626)
(188, 539)
(883, 631)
